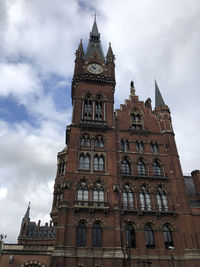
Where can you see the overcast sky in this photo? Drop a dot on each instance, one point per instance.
(150, 38)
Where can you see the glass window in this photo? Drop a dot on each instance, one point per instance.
(157, 171)
(81, 234)
(130, 236)
(141, 168)
(97, 235)
(149, 237)
(98, 163)
(125, 167)
(167, 237)
(127, 199)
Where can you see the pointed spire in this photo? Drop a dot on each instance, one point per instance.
(95, 28)
(80, 51)
(158, 97)
(94, 44)
(27, 214)
(110, 56)
(132, 88)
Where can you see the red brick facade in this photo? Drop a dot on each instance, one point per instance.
(119, 196)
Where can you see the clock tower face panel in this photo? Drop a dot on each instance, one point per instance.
(95, 68)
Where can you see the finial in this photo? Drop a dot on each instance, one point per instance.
(132, 88)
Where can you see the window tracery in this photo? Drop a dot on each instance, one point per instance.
(145, 200)
(99, 162)
(154, 147)
(84, 161)
(87, 108)
(82, 191)
(127, 198)
(140, 146)
(157, 170)
(161, 198)
(125, 166)
(99, 141)
(141, 169)
(85, 140)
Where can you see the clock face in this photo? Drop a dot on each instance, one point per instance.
(95, 68)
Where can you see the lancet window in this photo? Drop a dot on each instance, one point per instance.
(145, 201)
(161, 198)
(157, 169)
(140, 146)
(124, 145)
(99, 141)
(97, 235)
(98, 109)
(85, 140)
(168, 239)
(61, 167)
(98, 193)
(82, 192)
(154, 147)
(98, 162)
(125, 167)
(127, 198)
(141, 169)
(81, 234)
(87, 108)
(130, 236)
(84, 162)
(149, 236)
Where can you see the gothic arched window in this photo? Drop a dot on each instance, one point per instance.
(98, 163)
(82, 192)
(98, 109)
(84, 162)
(81, 234)
(130, 236)
(98, 194)
(145, 200)
(167, 234)
(161, 198)
(59, 197)
(127, 198)
(85, 141)
(87, 108)
(125, 166)
(61, 168)
(97, 235)
(99, 142)
(141, 168)
(154, 147)
(149, 236)
(140, 146)
(157, 170)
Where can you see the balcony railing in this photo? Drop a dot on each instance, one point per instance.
(94, 125)
(144, 175)
(140, 209)
(91, 205)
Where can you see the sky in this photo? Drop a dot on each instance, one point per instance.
(151, 39)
